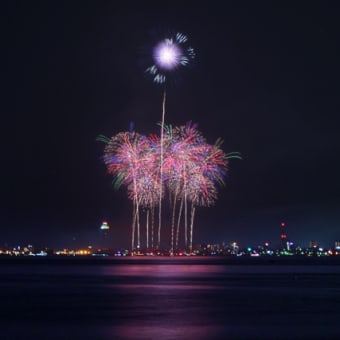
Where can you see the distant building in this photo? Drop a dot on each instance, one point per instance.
(313, 244)
(337, 245)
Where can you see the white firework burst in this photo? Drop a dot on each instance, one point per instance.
(169, 54)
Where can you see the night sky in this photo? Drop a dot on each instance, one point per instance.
(265, 79)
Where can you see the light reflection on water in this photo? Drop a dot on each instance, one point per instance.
(159, 270)
(166, 299)
(185, 270)
(183, 301)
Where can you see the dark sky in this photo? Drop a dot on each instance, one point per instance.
(265, 79)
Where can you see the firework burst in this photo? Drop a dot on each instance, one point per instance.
(192, 172)
(169, 54)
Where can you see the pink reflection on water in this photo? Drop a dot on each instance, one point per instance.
(163, 298)
(156, 331)
(162, 270)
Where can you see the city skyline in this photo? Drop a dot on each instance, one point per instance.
(104, 237)
(265, 80)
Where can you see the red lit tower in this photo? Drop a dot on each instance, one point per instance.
(283, 235)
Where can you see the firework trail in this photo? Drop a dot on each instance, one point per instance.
(169, 54)
(186, 140)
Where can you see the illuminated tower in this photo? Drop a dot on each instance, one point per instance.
(283, 235)
(104, 229)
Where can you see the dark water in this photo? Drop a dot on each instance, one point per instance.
(161, 298)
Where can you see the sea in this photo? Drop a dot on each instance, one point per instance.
(169, 298)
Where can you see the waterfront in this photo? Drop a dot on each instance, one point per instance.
(182, 298)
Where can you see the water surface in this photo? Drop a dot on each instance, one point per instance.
(168, 299)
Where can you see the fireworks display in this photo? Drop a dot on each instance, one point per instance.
(192, 172)
(178, 167)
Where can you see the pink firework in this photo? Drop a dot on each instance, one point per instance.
(191, 172)
(125, 156)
